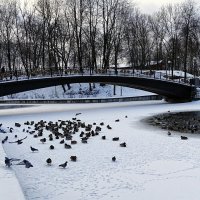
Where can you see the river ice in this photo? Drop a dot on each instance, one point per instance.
(152, 166)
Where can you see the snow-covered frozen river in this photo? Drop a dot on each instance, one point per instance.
(152, 166)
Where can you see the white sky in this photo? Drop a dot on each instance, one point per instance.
(146, 6)
(150, 6)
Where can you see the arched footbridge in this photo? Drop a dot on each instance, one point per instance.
(171, 90)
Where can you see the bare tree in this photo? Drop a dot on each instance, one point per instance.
(109, 12)
(159, 32)
(189, 25)
(131, 38)
(119, 31)
(77, 9)
(143, 37)
(91, 31)
(7, 31)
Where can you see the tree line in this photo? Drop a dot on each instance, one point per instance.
(55, 36)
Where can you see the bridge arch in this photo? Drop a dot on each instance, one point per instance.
(171, 90)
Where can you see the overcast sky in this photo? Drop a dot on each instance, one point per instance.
(150, 6)
(146, 6)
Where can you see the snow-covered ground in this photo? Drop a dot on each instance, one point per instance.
(175, 73)
(78, 91)
(152, 166)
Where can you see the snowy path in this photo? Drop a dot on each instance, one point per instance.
(153, 166)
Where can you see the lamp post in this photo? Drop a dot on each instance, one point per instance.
(178, 63)
(194, 66)
(166, 67)
(170, 68)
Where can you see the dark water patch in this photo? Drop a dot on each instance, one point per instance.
(3, 107)
(184, 122)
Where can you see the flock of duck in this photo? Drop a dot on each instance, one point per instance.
(63, 131)
(186, 122)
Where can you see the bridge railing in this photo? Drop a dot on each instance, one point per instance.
(144, 74)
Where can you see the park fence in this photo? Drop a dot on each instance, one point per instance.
(68, 101)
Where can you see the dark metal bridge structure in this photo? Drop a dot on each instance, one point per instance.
(170, 90)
